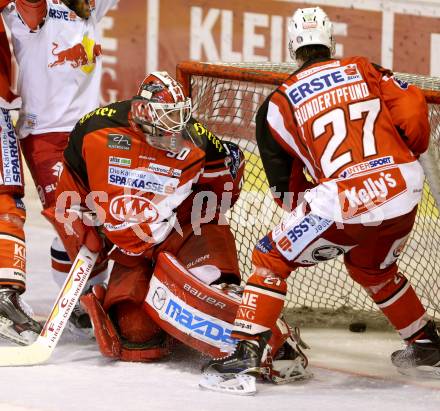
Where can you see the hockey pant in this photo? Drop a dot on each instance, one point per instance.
(370, 256)
(12, 210)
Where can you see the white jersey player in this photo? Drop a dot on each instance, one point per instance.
(16, 325)
(58, 49)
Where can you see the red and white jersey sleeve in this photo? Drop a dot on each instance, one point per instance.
(60, 66)
(358, 131)
(8, 100)
(408, 109)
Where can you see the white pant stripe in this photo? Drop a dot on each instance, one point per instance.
(13, 274)
(395, 298)
(11, 238)
(413, 327)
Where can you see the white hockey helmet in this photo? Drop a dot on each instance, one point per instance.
(310, 26)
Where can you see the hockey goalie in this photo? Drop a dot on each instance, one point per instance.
(160, 183)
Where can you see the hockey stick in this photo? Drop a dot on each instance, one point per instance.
(41, 350)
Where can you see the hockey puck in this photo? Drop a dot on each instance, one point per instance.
(358, 327)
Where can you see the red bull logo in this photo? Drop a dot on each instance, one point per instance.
(82, 55)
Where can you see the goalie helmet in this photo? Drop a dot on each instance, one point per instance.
(310, 26)
(162, 111)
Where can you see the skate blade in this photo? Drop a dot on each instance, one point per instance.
(240, 384)
(9, 334)
(285, 372)
(422, 371)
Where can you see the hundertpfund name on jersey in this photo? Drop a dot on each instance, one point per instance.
(142, 180)
(326, 89)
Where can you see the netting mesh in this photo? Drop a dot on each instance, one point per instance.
(228, 108)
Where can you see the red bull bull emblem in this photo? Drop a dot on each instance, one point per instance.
(82, 55)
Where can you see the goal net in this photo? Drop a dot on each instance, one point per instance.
(226, 97)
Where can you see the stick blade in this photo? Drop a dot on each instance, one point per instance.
(34, 354)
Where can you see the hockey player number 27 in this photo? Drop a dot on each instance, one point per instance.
(336, 118)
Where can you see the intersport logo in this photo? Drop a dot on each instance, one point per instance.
(361, 194)
(133, 209)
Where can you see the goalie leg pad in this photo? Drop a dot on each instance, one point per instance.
(198, 315)
(141, 337)
(130, 345)
(284, 360)
(201, 317)
(134, 323)
(105, 333)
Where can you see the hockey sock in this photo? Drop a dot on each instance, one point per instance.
(400, 304)
(261, 305)
(60, 261)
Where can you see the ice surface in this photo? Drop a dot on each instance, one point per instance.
(352, 371)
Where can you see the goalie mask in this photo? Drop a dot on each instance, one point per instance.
(162, 111)
(310, 26)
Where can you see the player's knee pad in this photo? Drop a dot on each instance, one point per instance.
(61, 265)
(12, 243)
(193, 312)
(12, 212)
(261, 305)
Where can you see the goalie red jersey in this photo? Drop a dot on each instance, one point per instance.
(148, 199)
(143, 193)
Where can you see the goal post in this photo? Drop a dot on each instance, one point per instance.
(226, 97)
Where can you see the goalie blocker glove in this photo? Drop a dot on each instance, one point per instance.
(16, 323)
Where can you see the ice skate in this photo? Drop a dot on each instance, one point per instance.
(422, 357)
(16, 323)
(237, 372)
